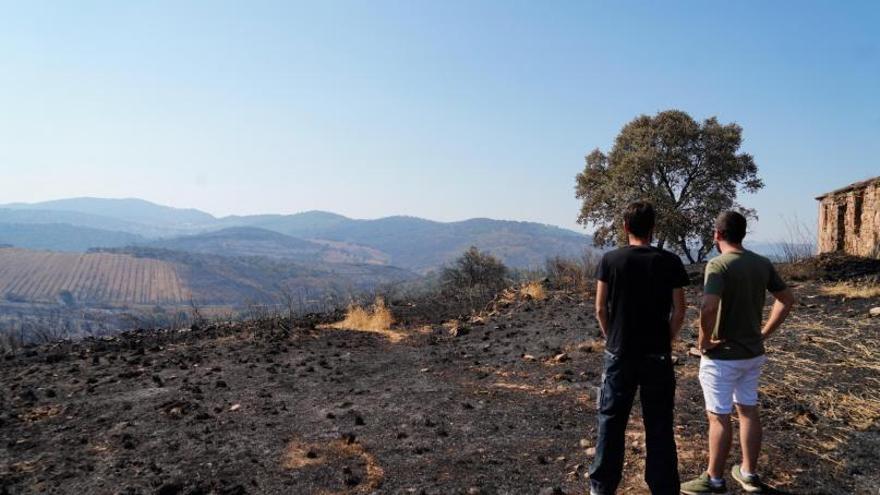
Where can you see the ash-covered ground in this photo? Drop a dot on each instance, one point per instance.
(506, 406)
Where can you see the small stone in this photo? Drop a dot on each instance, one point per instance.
(693, 351)
(874, 311)
(528, 357)
(235, 407)
(584, 443)
(551, 490)
(591, 452)
(561, 357)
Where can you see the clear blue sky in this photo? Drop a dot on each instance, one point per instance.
(443, 109)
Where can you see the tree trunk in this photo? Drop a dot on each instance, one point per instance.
(686, 251)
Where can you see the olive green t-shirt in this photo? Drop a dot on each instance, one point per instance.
(742, 279)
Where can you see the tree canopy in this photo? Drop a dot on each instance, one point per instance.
(690, 171)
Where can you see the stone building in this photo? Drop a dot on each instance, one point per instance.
(849, 219)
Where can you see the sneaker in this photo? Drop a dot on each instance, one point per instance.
(751, 484)
(701, 485)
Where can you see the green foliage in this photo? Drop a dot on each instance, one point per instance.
(474, 272)
(690, 171)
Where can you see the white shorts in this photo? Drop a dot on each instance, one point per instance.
(729, 381)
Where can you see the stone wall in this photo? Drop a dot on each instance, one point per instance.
(849, 221)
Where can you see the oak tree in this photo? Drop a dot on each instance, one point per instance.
(690, 171)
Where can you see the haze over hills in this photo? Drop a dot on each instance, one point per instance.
(131, 210)
(63, 236)
(407, 242)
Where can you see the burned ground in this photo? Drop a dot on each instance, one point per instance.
(506, 406)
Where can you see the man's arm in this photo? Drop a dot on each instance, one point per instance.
(781, 308)
(708, 318)
(602, 306)
(677, 317)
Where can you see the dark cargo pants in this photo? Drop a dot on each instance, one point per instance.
(652, 375)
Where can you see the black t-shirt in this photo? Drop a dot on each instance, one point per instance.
(640, 282)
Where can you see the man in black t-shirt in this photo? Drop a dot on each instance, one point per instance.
(640, 307)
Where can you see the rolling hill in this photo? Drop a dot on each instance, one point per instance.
(129, 210)
(254, 241)
(63, 237)
(150, 276)
(408, 242)
(94, 278)
(422, 245)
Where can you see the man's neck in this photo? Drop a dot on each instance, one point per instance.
(636, 241)
(727, 247)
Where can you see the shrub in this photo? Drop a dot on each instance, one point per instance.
(474, 273)
(572, 274)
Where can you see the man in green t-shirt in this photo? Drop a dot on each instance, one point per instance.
(732, 342)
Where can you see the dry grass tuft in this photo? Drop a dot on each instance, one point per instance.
(378, 318)
(41, 412)
(534, 290)
(375, 319)
(852, 290)
(299, 455)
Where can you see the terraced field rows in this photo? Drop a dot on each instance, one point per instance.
(40, 276)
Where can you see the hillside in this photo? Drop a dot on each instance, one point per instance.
(237, 281)
(63, 237)
(507, 406)
(146, 276)
(253, 241)
(130, 210)
(411, 243)
(75, 219)
(421, 245)
(94, 278)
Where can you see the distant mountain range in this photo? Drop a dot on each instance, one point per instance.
(414, 244)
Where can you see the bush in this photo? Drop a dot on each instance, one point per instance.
(474, 277)
(572, 274)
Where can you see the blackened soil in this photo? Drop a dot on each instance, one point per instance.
(507, 406)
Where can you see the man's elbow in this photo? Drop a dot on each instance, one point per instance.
(786, 298)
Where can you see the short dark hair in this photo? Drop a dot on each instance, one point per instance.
(731, 226)
(639, 218)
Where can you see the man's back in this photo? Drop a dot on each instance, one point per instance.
(640, 283)
(741, 279)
